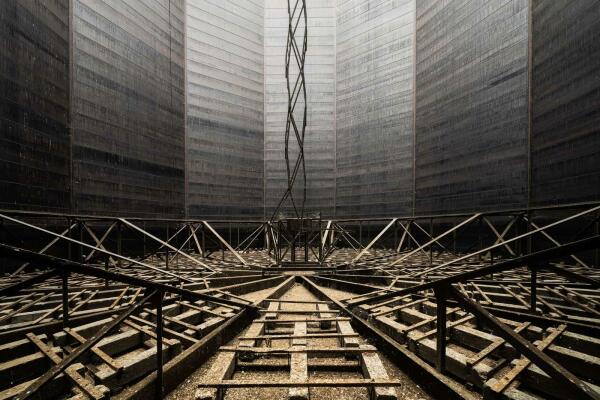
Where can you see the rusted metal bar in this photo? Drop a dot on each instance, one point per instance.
(224, 242)
(379, 235)
(529, 259)
(71, 240)
(533, 290)
(73, 356)
(547, 364)
(440, 360)
(159, 344)
(65, 299)
(165, 244)
(516, 238)
(45, 248)
(74, 267)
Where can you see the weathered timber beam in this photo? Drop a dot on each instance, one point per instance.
(547, 364)
(73, 356)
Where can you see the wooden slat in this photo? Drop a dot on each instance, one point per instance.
(309, 383)
(87, 387)
(523, 362)
(111, 362)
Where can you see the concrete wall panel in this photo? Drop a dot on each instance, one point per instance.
(128, 114)
(374, 120)
(566, 102)
(224, 127)
(471, 105)
(34, 105)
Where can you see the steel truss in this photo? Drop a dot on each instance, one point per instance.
(534, 267)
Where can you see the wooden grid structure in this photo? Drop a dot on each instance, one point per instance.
(510, 299)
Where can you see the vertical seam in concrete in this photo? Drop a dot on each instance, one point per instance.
(264, 115)
(529, 94)
(185, 130)
(414, 145)
(335, 172)
(71, 28)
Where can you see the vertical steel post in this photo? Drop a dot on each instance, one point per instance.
(597, 232)
(230, 236)
(69, 245)
(440, 360)
(306, 246)
(431, 245)
(533, 289)
(167, 238)
(80, 247)
(203, 238)
(320, 241)
(3, 240)
(518, 243)
(529, 238)
(454, 239)
(267, 239)
(293, 248)
(159, 349)
(144, 240)
(65, 299)
(395, 235)
(480, 236)
(360, 232)
(119, 242)
(106, 268)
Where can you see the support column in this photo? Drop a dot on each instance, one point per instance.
(80, 247)
(533, 289)
(431, 246)
(119, 243)
(65, 299)
(440, 359)
(597, 232)
(159, 349)
(203, 238)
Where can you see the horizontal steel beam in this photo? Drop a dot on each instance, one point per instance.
(509, 211)
(547, 364)
(78, 352)
(74, 267)
(535, 259)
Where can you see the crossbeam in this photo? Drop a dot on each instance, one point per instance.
(529, 259)
(79, 268)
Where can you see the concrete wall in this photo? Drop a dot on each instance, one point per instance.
(471, 105)
(34, 105)
(465, 140)
(565, 152)
(320, 134)
(128, 136)
(224, 128)
(374, 120)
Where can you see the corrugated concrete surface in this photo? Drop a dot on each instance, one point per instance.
(225, 98)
